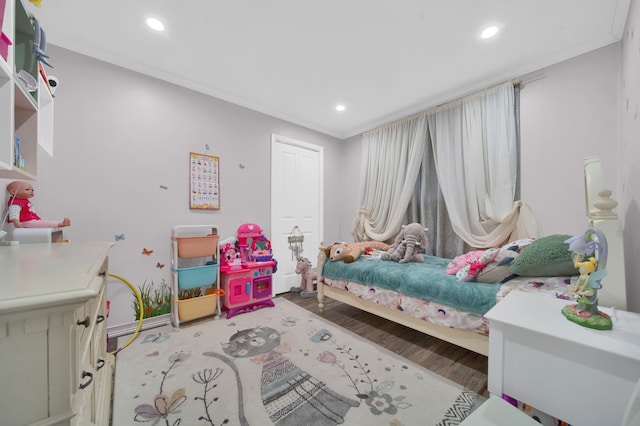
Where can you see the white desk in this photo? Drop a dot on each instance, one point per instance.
(576, 374)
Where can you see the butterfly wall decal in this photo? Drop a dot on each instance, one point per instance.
(159, 265)
(147, 252)
(119, 237)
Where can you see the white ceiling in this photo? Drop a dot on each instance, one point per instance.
(297, 59)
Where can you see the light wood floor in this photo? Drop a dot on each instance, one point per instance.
(462, 366)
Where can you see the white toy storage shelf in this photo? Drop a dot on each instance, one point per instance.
(26, 102)
(195, 272)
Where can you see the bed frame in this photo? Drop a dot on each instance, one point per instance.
(613, 294)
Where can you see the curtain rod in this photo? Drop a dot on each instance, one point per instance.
(516, 81)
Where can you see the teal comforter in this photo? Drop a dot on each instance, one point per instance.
(426, 280)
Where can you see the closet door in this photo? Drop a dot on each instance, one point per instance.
(296, 200)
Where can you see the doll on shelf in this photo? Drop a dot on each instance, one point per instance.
(21, 214)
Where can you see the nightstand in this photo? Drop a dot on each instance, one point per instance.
(576, 374)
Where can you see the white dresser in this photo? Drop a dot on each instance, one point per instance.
(54, 364)
(580, 375)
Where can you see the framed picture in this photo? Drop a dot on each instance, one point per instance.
(204, 182)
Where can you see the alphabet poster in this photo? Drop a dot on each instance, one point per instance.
(204, 191)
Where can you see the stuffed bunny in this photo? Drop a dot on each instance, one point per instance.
(409, 245)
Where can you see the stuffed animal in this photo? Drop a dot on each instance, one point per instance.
(309, 277)
(342, 251)
(351, 252)
(409, 245)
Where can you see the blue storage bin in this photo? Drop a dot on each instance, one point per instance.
(198, 276)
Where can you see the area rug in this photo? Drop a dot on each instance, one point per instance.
(279, 365)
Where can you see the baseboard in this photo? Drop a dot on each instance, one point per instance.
(147, 323)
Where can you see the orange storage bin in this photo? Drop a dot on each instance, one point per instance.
(201, 246)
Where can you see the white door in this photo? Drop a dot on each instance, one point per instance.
(296, 200)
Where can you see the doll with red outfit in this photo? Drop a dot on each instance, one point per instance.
(21, 213)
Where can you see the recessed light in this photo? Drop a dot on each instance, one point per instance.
(489, 32)
(155, 24)
(340, 107)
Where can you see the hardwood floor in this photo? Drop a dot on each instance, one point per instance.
(462, 366)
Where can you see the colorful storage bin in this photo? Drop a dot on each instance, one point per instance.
(5, 42)
(198, 276)
(3, 4)
(202, 246)
(197, 307)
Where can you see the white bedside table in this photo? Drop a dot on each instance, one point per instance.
(576, 374)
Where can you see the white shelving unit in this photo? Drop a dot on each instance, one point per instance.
(195, 268)
(23, 114)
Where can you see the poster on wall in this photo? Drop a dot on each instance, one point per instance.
(204, 178)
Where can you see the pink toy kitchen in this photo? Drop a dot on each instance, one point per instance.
(246, 270)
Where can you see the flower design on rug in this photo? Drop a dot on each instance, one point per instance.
(207, 378)
(163, 405)
(376, 397)
(380, 403)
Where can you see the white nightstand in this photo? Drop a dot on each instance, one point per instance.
(576, 374)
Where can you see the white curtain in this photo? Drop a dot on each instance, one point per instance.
(474, 145)
(391, 159)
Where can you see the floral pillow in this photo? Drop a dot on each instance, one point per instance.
(460, 261)
(475, 266)
(518, 245)
(498, 270)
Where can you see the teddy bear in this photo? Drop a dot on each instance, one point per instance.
(409, 245)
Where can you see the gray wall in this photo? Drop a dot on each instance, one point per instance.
(568, 112)
(121, 136)
(628, 150)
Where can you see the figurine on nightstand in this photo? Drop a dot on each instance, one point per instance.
(585, 290)
(21, 213)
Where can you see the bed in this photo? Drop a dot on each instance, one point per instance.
(453, 310)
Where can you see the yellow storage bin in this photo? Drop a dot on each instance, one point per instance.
(197, 307)
(201, 246)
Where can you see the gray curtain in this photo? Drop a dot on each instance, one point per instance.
(427, 207)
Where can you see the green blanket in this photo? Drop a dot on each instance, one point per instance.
(426, 280)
